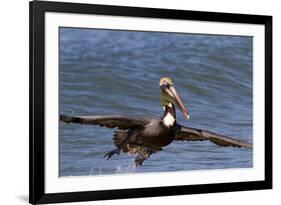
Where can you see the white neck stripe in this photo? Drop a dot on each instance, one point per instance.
(169, 120)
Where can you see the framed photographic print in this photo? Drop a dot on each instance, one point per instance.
(139, 102)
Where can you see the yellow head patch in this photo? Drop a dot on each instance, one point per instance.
(165, 80)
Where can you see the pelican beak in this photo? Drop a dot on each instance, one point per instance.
(171, 91)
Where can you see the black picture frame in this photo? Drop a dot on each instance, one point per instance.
(37, 9)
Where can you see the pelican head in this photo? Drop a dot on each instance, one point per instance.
(169, 95)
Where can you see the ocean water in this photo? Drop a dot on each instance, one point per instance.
(117, 72)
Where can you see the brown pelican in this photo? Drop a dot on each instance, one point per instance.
(145, 136)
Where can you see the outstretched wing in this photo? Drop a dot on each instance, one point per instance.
(193, 134)
(111, 121)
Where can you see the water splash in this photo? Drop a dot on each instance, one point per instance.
(96, 171)
(126, 166)
(129, 168)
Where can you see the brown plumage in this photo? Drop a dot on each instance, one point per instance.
(145, 136)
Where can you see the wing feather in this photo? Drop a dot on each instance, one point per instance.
(110, 121)
(194, 134)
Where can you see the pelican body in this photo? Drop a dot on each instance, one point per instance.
(145, 136)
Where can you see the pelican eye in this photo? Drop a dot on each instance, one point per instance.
(168, 84)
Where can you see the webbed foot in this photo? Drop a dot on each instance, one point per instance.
(140, 159)
(108, 155)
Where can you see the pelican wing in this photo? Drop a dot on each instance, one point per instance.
(193, 134)
(111, 121)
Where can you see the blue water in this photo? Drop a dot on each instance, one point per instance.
(118, 72)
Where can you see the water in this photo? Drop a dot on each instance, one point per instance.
(118, 72)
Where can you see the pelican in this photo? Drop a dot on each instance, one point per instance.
(145, 136)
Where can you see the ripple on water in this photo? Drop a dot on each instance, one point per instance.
(117, 72)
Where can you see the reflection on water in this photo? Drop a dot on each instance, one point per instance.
(117, 72)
